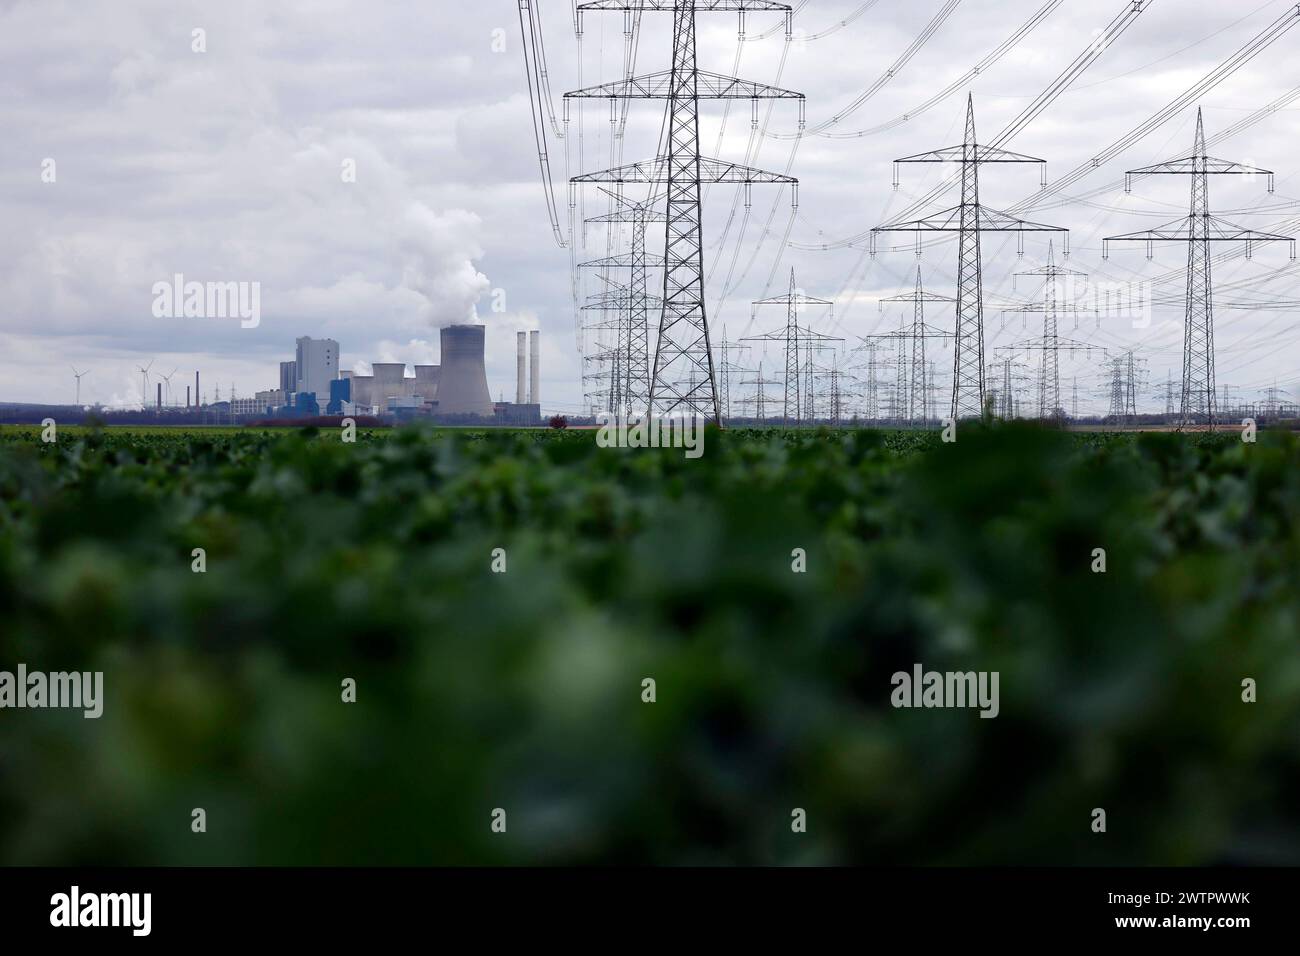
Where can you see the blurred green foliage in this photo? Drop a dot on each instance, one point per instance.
(523, 690)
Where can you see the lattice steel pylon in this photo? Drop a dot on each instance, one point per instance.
(799, 344)
(1055, 300)
(1198, 230)
(682, 382)
(725, 368)
(626, 301)
(1005, 406)
(969, 220)
(760, 396)
(627, 385)
(1124, 375)
(634, 332)
(912, 370)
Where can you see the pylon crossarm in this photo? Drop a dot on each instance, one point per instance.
(697, 6)
(1196, 166)
(711, 171)
(658, 86)
(922, 297)
(1062, 345)
(648, 210)
(1197, 229)
(701, 6)
(801, 332)
(624, 260)
(612, 303)
(1042, 308)
(627, 215)
(1051, 272)
(958, 154)
(793, 300)
(950, 220)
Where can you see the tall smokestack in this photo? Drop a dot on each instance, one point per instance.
(197, 393)
(187, 398)
(534, 373)
(521, 364)
(160, 396)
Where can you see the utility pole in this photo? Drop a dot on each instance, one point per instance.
(682, 381)
(969, 220)
(1198, 230)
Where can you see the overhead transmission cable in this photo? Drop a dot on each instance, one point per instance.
(527, 28)
(1256, 45)
(961, 82)
(881, 81)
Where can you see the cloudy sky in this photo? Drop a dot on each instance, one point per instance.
(228, 163)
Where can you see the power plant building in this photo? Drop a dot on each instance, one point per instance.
(454, 389)
(317, 365)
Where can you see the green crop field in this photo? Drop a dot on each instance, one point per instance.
(521, 687)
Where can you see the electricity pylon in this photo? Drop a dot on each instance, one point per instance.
(1013, 375)
(1124, 375)
(969, 220)
(912, 362)
(633, 361)
(871, 408)
(620, 302)
(799, 343)
(1198, 230)
(682, 381)
(726, 367)
(760, 396)
(1055, 279)
(628, 376)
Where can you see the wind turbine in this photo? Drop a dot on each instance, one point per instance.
(77, 375)
(144, 384)
(167, 379)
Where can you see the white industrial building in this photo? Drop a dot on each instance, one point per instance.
(317, 365)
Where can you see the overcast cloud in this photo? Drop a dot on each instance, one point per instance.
(226, 165)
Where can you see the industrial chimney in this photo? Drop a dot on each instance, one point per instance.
(462, 383)
(535, 377)
(521, 365)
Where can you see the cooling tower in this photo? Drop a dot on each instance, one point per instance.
(534, 372)
(390, 381)
(462, 383)
(521, 366)
(425, 385)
